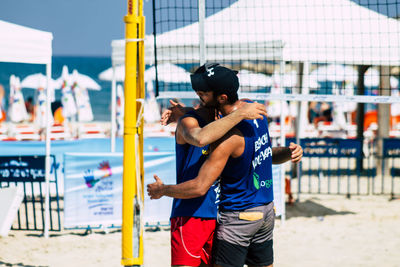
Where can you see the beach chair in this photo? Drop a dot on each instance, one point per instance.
(3, 131)
(59, 132)
(91, 130)
(24, 132)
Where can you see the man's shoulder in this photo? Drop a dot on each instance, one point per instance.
(233, 136)
(198, 115)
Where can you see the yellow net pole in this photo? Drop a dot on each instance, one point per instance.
(141, 95)
(134, 89)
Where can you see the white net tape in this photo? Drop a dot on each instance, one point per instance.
(293, 97)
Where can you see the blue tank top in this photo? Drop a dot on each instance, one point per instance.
(189, 160)
(246, 181)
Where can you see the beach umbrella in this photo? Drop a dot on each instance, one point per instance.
(67, 98)
(40, 112)
(312, 82)
(80, 84)
(168, 73)
(107, 75)
(17, 110)
(253, 80)
(371, 79)
(38, 80)
(82, 100)
(335, 73)
(151, 109)
(120, 109)
(84, 81)
(289, 79)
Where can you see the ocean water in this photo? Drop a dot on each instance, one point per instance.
(91, 66)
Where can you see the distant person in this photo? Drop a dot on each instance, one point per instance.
(56, 109)
(2, 104)
(30, 108)
(326, 112)
(243, 160)
(313, 111)
(324, 115)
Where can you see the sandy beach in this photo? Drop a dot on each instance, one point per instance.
(320, 230)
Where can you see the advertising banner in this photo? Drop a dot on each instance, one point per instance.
(92, 189)
(93, 185)
(22, 168)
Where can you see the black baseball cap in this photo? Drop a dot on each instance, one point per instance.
(216, 78)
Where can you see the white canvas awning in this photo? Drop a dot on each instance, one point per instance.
(311, 30)
(24, 45)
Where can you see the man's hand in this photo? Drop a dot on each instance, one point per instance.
(154, 190)
(173, 113)
(297, 152)
(251, 111)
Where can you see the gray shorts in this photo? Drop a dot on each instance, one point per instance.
(254, 225)
(245, 237)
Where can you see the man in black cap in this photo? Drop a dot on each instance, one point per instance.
(243, 160)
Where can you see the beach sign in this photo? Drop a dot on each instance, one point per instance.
(22, 168)
(92, 189)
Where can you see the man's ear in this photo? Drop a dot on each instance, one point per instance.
(222, 99)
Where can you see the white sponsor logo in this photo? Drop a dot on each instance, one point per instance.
(255, 122)
(262, 140)
(210, 72)
(262, 156)
(217, 190)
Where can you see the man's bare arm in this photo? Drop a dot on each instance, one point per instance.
(213, 131)
(209, 172)
(293, 152)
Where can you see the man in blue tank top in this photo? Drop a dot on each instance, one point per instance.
(193, 220)
(243, 160)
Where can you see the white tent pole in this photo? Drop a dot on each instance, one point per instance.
(283, 140)
(202, 17)
(303, 104)
(301, 114)
(47, 164)
(113, 109)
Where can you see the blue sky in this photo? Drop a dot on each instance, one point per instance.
(79, 27)
(86, 27)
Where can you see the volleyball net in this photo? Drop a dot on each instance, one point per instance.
(295, 50)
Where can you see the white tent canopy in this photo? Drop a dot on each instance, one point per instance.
(24, 45)
(249, 80)
(167, 72)
(311, 30)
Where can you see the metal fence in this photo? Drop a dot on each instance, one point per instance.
(391, 166)
(347, 167)
(28, 173)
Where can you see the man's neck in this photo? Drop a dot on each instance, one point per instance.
(229, 108)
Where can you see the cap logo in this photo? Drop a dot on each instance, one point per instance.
(210, 72)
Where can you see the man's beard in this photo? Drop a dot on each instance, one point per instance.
(210, 104)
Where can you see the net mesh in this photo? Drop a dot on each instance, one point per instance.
(312, 50)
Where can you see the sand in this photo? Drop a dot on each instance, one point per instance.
(320, 230)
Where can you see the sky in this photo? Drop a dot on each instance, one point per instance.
(79, 27)
(87, 27)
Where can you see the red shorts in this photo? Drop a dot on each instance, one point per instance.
(191, 240)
